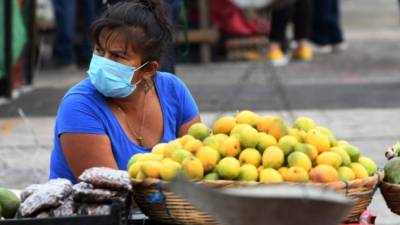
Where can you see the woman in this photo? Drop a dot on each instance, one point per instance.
(125, 106)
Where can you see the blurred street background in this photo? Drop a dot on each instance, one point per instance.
(355, 93)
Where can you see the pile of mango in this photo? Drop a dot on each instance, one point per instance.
(250, 147)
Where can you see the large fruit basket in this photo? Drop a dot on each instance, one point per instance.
(159, 204)
(391, 194)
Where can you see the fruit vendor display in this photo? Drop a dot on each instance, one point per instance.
(250, 147)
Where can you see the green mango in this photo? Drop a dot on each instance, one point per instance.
(211, 176)
(9, 203)
(392, 171)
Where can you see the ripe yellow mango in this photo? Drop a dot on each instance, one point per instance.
(224, 125)
(270, 175)
(273, 157)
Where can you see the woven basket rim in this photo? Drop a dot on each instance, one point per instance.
(390, 184)
(386, 185)
(368, 181)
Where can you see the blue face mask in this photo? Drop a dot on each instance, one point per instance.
(111, 78)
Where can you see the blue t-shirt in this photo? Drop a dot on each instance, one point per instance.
(85, 110)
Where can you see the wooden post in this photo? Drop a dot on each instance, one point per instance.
(31, 45)
(6, 82)
(204, 14)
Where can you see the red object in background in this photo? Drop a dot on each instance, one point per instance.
(18, 73)
(230, 19)
(366, 218)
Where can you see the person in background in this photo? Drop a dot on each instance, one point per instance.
(168, 61)
(326, 31)
(125, 106)
(300, 13)
(64, 50)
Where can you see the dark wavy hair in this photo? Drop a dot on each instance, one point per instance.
(142, 23)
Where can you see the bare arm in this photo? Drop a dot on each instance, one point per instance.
(185, 127)
(83, 151)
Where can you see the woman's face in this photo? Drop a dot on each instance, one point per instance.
(116, 49)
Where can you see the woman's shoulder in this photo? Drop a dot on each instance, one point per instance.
(83, 90)
(84, 87)
(82, 93)
(169, 80)
(80, 111)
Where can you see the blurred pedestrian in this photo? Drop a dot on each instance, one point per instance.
(326, 31)
(168, 60)
(67, 55)
(300, 13)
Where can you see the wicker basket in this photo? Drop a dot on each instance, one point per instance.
(159, 204)
(360, 191)
(391, 194)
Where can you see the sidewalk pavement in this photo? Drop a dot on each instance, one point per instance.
(355, 94)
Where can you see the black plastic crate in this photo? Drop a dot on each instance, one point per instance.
(119, 215)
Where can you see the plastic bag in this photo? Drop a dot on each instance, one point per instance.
(84, 192)
(67, 208)
(43, 214)
(35, 187)
(94, 209)
(45, 196)
(102, 177)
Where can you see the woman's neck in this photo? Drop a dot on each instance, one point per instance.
(134, 101)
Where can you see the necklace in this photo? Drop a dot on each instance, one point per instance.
(138, 135)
